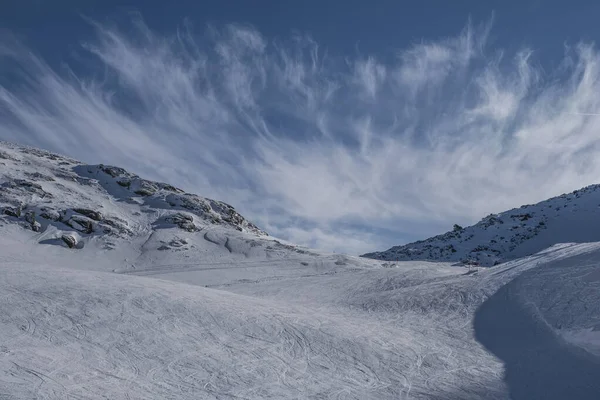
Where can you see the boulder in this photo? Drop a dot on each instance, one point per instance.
(13, 211)
(33, 224)
(69, 240)
(80, 224)
(95, 215)
(115, 227)
(50, 214)
(184, 221)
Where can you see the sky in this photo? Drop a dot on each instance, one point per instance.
(346, 126)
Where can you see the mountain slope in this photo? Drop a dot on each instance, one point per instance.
(519, 232)
(363, 333)
(165, 295)
(41, 189)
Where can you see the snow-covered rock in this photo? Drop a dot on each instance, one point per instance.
(519, 232)
(39, 189)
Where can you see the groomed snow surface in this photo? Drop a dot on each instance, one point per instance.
(157, 310)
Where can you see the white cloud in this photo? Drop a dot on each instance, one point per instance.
(317, 148)
(369, 75)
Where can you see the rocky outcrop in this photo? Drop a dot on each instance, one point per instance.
(5, 156)
(36, 176)
(95, 215)
(69, 240)
(115, 227)
(40, 190)
(22, 187)
(161, 195)
(12, 211)
(33, 224)
(80, 223)
(183, 221)
(49, 214)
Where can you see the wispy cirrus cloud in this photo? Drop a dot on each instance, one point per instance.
(347, 154)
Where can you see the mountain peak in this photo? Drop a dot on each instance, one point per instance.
(515, 233)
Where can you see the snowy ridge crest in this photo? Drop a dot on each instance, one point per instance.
(519, 232)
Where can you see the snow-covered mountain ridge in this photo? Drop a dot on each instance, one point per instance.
(117, 287)
(39, 189)
(515, 233)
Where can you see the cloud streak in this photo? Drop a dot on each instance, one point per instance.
(345, 154)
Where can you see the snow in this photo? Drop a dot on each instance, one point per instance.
(512, 234)
(155, 308)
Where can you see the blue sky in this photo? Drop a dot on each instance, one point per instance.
(349, 126)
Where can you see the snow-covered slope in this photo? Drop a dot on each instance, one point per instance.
(206, 306)
(523, 231)
(419, 331)
(105, 218)
(79, 202)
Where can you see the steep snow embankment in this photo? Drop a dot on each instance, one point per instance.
(512, 234)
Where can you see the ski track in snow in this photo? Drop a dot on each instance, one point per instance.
(363, 334)
(166, 312)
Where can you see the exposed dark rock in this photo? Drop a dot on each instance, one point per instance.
(112, 171)
(24, 183)
(457, 228)
(178, 242)
(184, 221)
(522, 217)
(6, 156)
(80, 224)
(33, 224)
(83, 180)
(169, 188)
(215, 212)
(67, 175)
(13, 211)
(39, 177)
(69, 240)
(40, 153)
(95, 215)
(115, 227)
(50, 214)
(78, 185)
(24, 186)
(144, 192)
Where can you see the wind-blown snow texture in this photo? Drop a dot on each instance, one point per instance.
(572, 217)
(165, 295)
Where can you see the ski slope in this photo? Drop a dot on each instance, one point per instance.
(157, 309)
